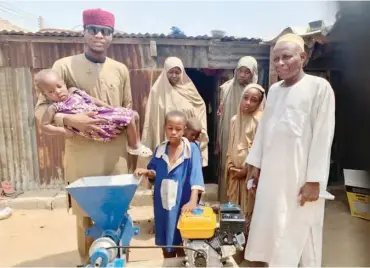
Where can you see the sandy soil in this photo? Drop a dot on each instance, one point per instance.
(48, 238)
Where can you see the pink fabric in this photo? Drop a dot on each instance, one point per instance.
(80, 102)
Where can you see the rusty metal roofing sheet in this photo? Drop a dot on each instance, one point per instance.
(18, 149)
(68, 33)
(43, 55)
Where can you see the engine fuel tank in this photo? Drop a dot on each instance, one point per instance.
(200, 223)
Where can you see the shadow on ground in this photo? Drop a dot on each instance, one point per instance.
(145, 227)
(66, 259)
(346, 239)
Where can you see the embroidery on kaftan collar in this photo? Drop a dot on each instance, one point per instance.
(162, 149)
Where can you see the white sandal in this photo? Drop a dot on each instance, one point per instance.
(141, 151)
(6, 213)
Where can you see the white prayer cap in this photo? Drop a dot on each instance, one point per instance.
(292, 38)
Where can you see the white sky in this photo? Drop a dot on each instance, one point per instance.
(263, 19)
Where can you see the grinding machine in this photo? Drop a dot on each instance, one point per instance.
(106, 200)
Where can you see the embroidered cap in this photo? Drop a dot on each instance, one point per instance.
(98, 17)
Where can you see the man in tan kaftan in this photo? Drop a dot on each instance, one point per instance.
(103, 78)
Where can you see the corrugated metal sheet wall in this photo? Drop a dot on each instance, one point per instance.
(225, 55)
(141, 82)
(18, 149)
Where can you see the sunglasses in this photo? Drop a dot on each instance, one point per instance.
(94, 30)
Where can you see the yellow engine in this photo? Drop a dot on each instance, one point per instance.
(210, 242)
(198, 224)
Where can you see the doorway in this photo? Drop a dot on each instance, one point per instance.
(207, 81)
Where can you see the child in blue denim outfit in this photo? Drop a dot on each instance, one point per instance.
(176, 172)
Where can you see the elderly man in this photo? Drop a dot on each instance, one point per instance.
(290, 161)
(103, 78)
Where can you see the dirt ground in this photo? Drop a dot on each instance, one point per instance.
(48, 238)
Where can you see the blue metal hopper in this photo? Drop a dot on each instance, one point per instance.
(105, 199)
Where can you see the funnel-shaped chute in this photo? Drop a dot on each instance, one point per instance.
(105, 199)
